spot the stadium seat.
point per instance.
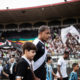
(1, 27)
(54, 23)
(24, 26)
(69, 21)
(38, 24)
(10, 27)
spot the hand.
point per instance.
(78, 78)
(7, 75)
(56, 77)
(36, 78)
(61, 78)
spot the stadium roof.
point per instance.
(13, 4)
(39, 13)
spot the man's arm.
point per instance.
(7, 75)
(18, 79)
(54, 75)
(59, 72)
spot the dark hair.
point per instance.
(43, 28)
(48, 58)
(74, 64)
(28, 46)
(66, 52)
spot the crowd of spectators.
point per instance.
(54, 45)
(7, 58)
(57, 47)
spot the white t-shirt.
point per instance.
(1, 68)
(63, 67)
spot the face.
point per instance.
(45, 35)
(66, 56)
(50, 61)
(30, 54)
(76, 68)
(12, 60)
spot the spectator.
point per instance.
(12, 69)
(6, 69)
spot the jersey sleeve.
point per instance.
(59, 62)
(72, 77)
(20, 69)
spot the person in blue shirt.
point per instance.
(73, 75)
(49, 71)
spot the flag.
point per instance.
(73, 31)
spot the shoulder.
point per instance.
(36, 41)
(60, 59)
(72, 74)
(22, 62)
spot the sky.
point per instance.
(12, 4)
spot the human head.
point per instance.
(44, 33)
(49, 60)
(12, 60)
(29, 50)
(75, 66)
(66, 54)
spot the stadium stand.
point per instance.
(39, 24)
(1, 27)
(10, 27)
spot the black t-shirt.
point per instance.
(23, 70)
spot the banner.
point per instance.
(73, 32)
